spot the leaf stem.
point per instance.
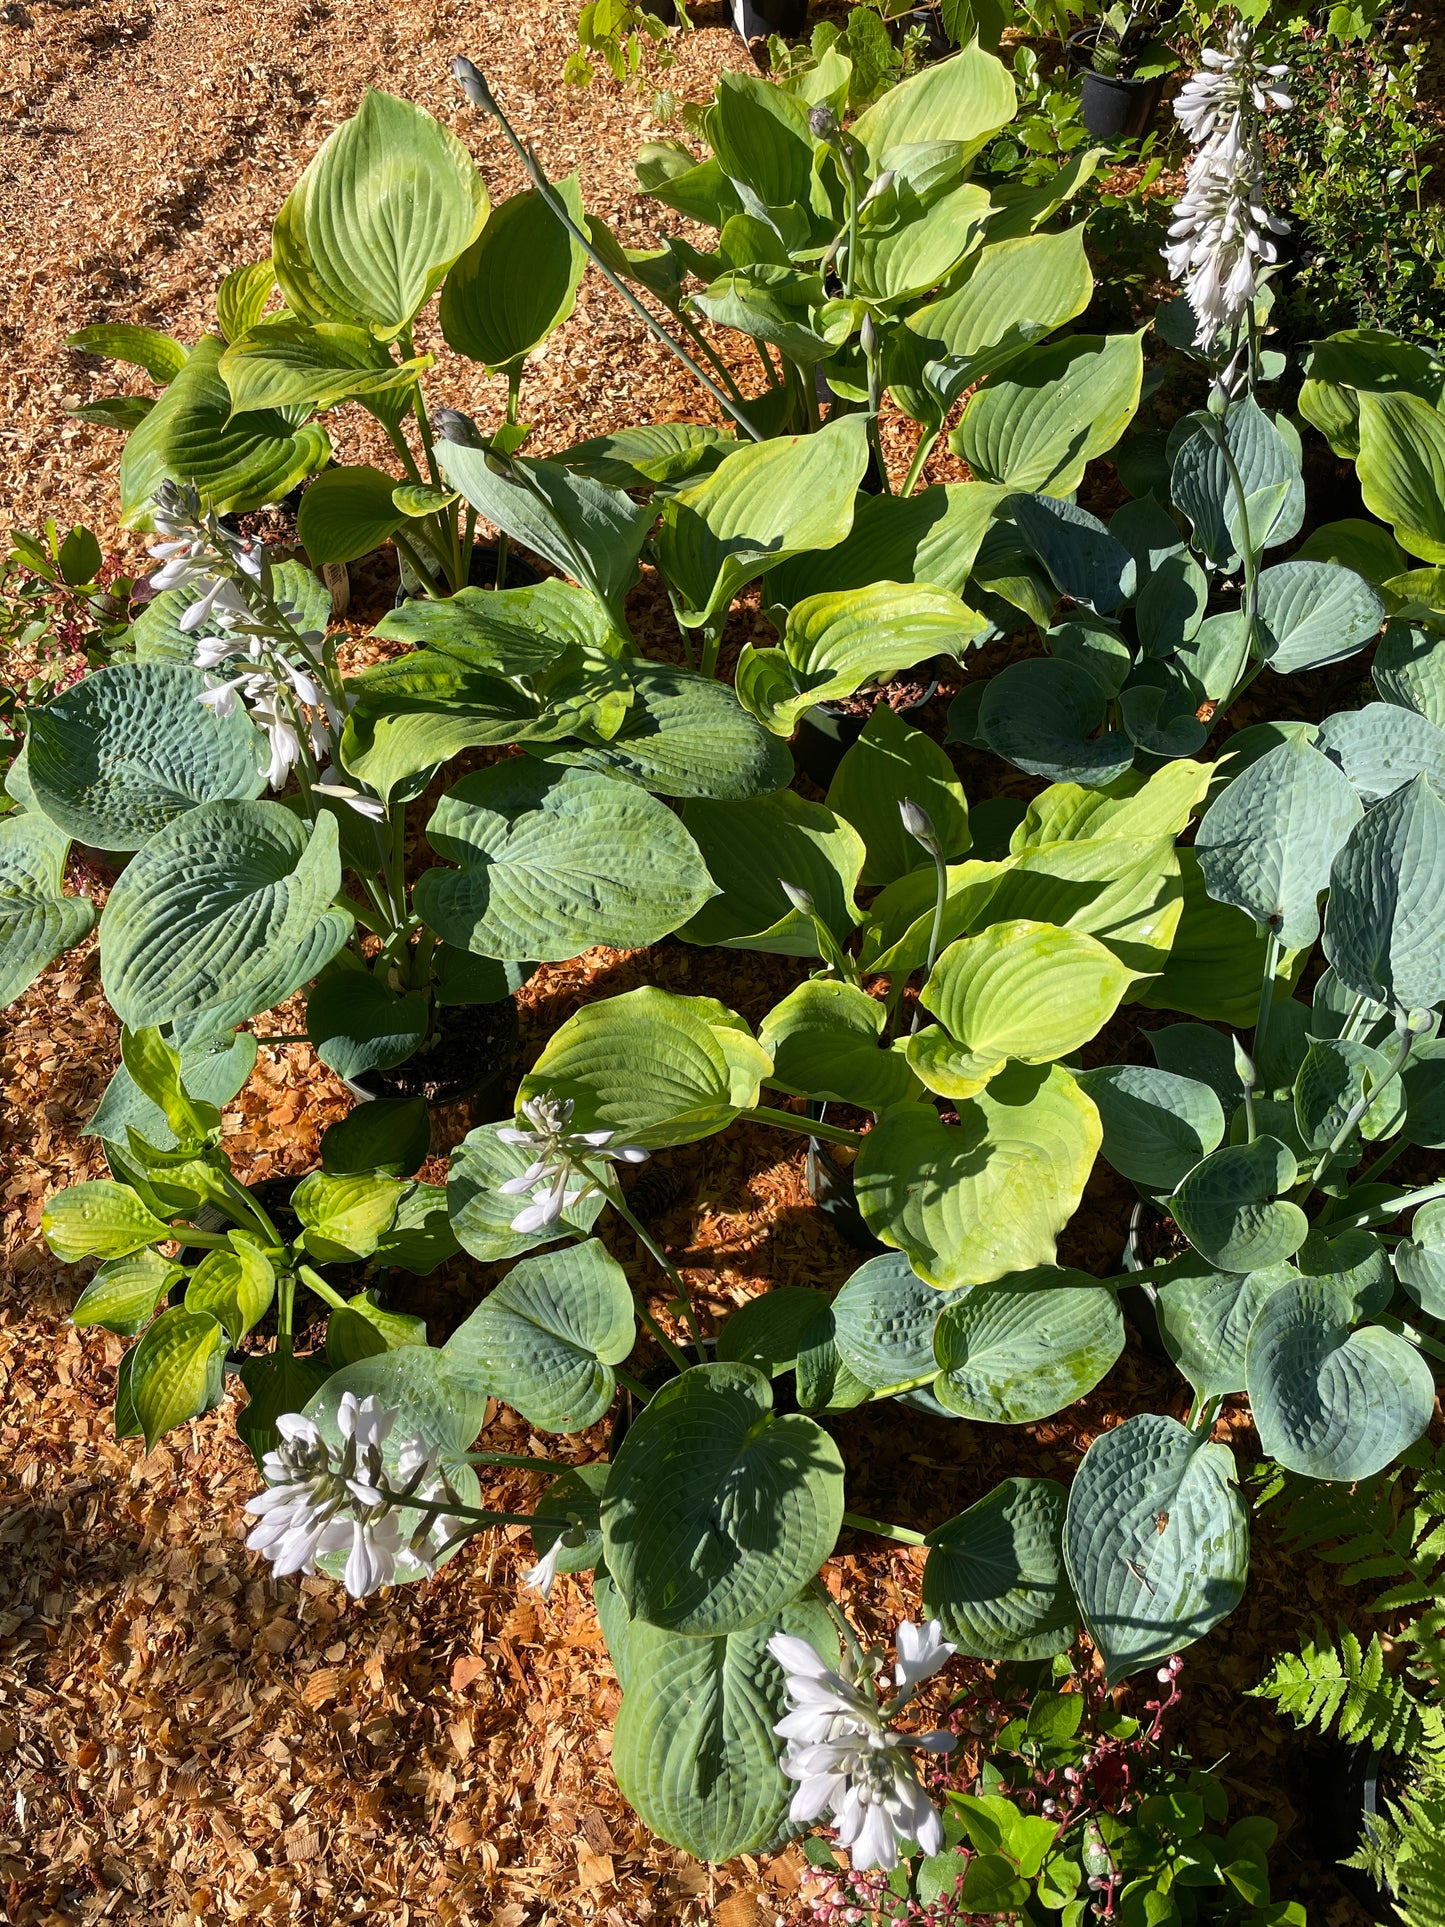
(1408, 1332)
(1391, 1208)
(803, 1126)
(925, 448)
(904, 1535)
(649, 1244)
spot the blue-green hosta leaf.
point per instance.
(1205, 1318)
(1085, 561)
(1201, 1053)
(237, 461)
(1021, 1349)
(1409, 669)
(693, 1749)
(1268, 465)
(575, 1494)
(284, 363)
(157, 631)
(965, 98)
(883, 1322)
(765, 502)
(1051, 412)
(380, 214)
(1232, 1209)
(1091, 644)
(1050, 718)
(826, 1041)
(1019, 989)
(1420, 1260)
(224, 912)
(1267, 845)
(177, 1371)
(1146, 1589)
(1354, 1259)
(516, 282)
(655, 1068)
(833, 644)
(125, 1293)
(1329, 1402)
(1334, 1076)
(1385, 921)
(212, 1070)
(547, 1338)
(1171, 604)
(1382, 746)
(751, 849)
(130, 748)
(37, 919)
(482, 1215)
(995, 1576)
(890, 763)
(1402, 469)
(1157, 1125)
(718, 1511)
(971, 1202)
(554, 860)
(688, 735)
(1314, 613)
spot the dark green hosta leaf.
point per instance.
(1093, 645)
(1409, 669)
(892, 762)
(995, 1577)
(275, 1383)
(971, 1202)
(222, 914)
(765, 502)
(825, 1040)
(1205, 1318)
(768, 1330)
(378, 217)
(1020, 1350)
(1423, 1079)
(1268, 464)
(390, 1135)
(1157, 1125)
(554, 860)
(693, 1750)
(656, 1068)
(37, 919)
(883, 1322)
(750, 849)
(481, 1215)
(717, 1511)
(348, 512)
(1199, 1052)
(1314, 613)
(357, 1024)
(1267, 845)
(1144, 1590)
(130, 748)
(1385, 921)
(177, 1371)
(1329, 1402)
(1215, 962)
(1050, 718)
(1382, 746)
(547, 1338)
(1402, 469)
(1084, 560)
(125, 1293)
(516, 282)
(238, 462)
(1231, 1206)
(576, 1493)
(1419, 1260)
(687, 735)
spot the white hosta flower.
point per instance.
(1232, 81)
(558, 1152)
(846, 1757)
(332, 783)
(416, 1468)
(543, 1576)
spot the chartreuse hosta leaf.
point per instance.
(908, 243)
(286, 363)
(430, 1405)
(99, 1220)
(826, 1041)
(995, 1575)
(481, 1214)
(125, 1292)
(177, 1370)
(554, 860)
(1022, 990)
(146, 348)
(516, 282)
(223, 913)
(1051, 412)
(964, 99)
(763, 503)
(1402, 469)
(1156, 1540)
(234, 1286)
(1157, 1125)
(343, 1217)
(693, 1748)
(655, 1068)
(1025, 1347)
(930, 536)
(37, 919)
(833, 643)
(751, 849)
(718, 1510)
(348, 512)
(1267, 845)
(381, 213)
(1013, 293)
(547, 1338)
(242, 297)
(1385, 920)
(760, 135)
(892, 762)
(212, 1071)
(1233, 1210)
(973, 1201)
(1330, 1402)
(130, 748)
(649, 454)
(1205, 1318)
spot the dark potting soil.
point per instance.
(471, 1047)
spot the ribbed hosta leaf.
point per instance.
(995, 1575)
(1021, 1349)
(481, 1214)
(37, 919)
(1232, 1209)
(516, 282)
(1157, 1125)
(751, 848)
(1385, 921)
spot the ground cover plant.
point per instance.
(956, 967)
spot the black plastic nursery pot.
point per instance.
(831, 1187)
(828, 730)
(469, 1052)
(1355, 1784)
(756, 19)
(1112, 106)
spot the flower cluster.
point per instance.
(317, 1501)
(1220, 236)
(559, 1157)
(846, 1756)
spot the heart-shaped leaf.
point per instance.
(1385, 921)
(481, 1213)
(1420, 1260)
(891, 763)
(1205, 1318)
(1084, 560)
(1381, 747)
(825, 1040)
(1231, 1206)
(1314, 613)
(357, 1024)
(751, 849)
(1409, 669)
(994, 1578)
(883, 1320)
(98, 1220)
(1049, 718)
(37, 919)
(1157, 1125)
(235, 1286)
(348, 512)
(516, 282)
(1265, 454)
(1051, 412)
(1021, 1349)
(1402, 469)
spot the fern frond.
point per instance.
(1348, 1689)
(1418, 1856)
